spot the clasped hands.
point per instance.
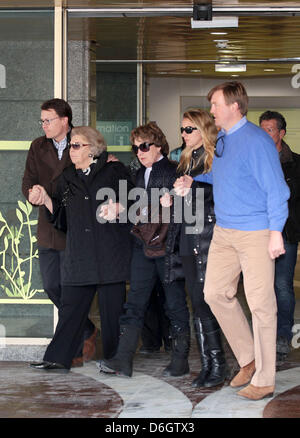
(37, 195)
(181, 187)
(111, 210)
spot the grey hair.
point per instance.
(94, 137)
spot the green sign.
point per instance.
(116, 133)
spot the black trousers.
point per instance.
(144, 274)
(50, 267)
(156, 329)
(73, 312)
(195, 289)
(51, 261)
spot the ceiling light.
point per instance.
(218, 33)
(269, 69)
(230, 67)
(215, 22)
(221, 44)
(195, 71)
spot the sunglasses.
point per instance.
(187, 129)
(77, 146)
(143, 147)
(219, 148)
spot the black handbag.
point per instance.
(60, 217)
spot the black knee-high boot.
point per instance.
(122, 362)
(180, 351)
(213, 372)
(203, 347)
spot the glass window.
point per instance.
(116, 106)
(26, 80)
(26, 73)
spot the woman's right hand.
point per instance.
(111, 211)
(166, 200)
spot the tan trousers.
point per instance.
(232, 251)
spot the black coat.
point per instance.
(290, 163)
(199, 242)
(96, 253)
(163, 174)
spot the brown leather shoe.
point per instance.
(256, 392)
(77, 362)
(89, 347)
(244, 375)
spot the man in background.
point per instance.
(275, 125)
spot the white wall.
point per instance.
(168, 97)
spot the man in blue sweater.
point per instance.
(251, 208)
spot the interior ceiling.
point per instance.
(269, 43)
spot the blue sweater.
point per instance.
(250, 192)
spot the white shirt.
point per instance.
(148, 171)
(147, 175)
(60, 146)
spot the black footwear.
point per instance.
(179, 365)
(167, 341)
(104, 368)
(218, 370)
(49, 366)
(202, 344)
(122, 362)
(283, 346)
(280, 359)
(149, 350)
(213, 364)
(168, 348)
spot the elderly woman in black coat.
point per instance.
(199, 134)
(97, 254)
(157, 172)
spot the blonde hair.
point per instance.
(206, 125)
(94, 137)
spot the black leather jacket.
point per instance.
(199, 242)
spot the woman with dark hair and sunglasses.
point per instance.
(97, 254)
(199, 133)
(157, 172)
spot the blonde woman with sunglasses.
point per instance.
(199, 135)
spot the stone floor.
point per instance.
(86, 393)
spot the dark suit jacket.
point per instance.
(43, 167)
